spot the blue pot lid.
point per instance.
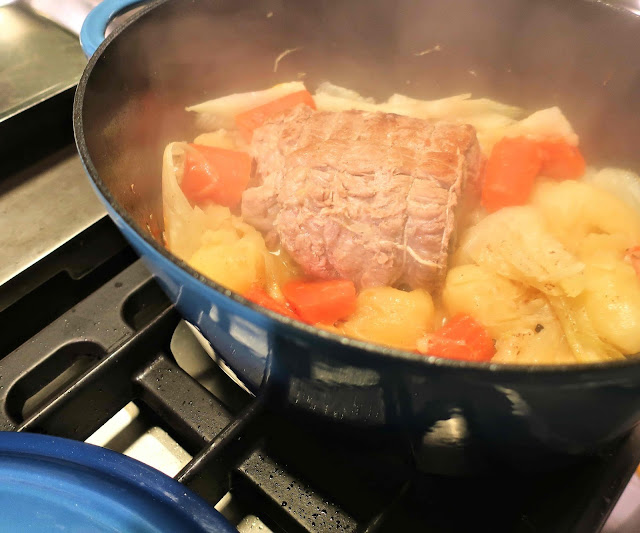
(50, 484)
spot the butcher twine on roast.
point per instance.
(358, 195)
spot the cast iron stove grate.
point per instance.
(110, 345)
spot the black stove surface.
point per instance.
(85, 342)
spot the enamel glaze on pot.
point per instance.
(582, 56)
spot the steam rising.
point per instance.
(580, 56)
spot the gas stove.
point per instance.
(92, 350)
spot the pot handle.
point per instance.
(95, 25)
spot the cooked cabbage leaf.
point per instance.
(544, 124)
(220, 112)
(583, 339)
(514, 242)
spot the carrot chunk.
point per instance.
(249, 120)
(510, 173)
(462, 338)
(215, 174)
(259, 296)
(560, 160)
(323, 302)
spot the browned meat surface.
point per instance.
(364, 196)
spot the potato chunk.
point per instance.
(390, 316)
(543, 345)
(519, 318)
(236, 265)
(574, 210)
(602, 250)
(612, 302)
(499, 304)
(612, 291)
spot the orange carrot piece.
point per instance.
(249, 120)
(259, 296)
(464, 338)
(560, 160)
(510, 173)
(323, 302)
(215, 174)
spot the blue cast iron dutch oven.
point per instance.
(583, 56)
